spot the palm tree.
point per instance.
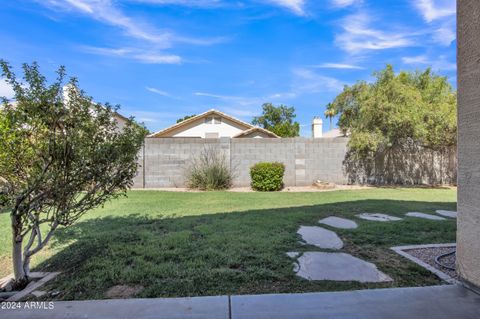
(330, 113)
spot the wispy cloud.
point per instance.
(5, 89)
(296, 6)
(157, 91)
(438, 64)
(344, 3)
(441, 15)
(106, 11)
(338, 66)
(152, 41)
(144, 56)
(435, 9)
(358, 35)
(307, 81)
(188, 3)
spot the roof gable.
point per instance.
(255, 129)
(185, 123)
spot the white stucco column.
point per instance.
(468, 232)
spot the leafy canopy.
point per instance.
(186, 117)
(61, 155)
(396, 108)
(278, 120)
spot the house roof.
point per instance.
(336, 132)
(167, 130)
(256, 129)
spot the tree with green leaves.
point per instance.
(186, 117)
(61, 155)
(395, 111)
(278, 120)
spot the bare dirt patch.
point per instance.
(123, 291)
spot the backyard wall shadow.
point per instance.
(231, 253)
(407, 164)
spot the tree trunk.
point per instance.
(21, 277)
(18, 269)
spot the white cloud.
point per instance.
(188, 3)
(106, 12)
(358, 36)
(296, 6)
(419, 59)
(157, 91)
(339, 66)
(344, 3)
(5, 89)
(144, 56)
(151, 41)
(435, 9)
(444, 35)
(438, 64)
(306, 82)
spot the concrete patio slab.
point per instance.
(378, 217)
(339, 222)
(424, 216)
(436, 302)
(447, 213)
(338, 267)
(171, 308)
(320, 237)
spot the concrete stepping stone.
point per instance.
(338, 222)
(424, 216)
(447, 213)
(378, 217)
(320, 237)
(293, 254)
(337, 267)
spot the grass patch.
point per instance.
(192, 244)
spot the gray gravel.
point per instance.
(428, 255)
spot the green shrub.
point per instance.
(209, 171)
(267, 177)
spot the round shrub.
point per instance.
(267, 177)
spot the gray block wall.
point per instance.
(163, 161)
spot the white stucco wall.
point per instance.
(199, 128)
(468, 224)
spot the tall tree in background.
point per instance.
(186, 117)
(278, 120)
(420, 106)
(395, 111)
(61, 155)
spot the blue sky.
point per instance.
(163, 59)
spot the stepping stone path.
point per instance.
(314, 265)
(338, 267)
(447, 213)
(424, 216)
(293, 254)
(378, 217)
(320, 237)
(338, 222)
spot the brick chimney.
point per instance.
(317, 127)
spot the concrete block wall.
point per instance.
(163, 161)
(324, 159)
(246, 152)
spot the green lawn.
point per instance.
(190, 244)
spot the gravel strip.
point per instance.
(427, 255)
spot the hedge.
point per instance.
(267, 177)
